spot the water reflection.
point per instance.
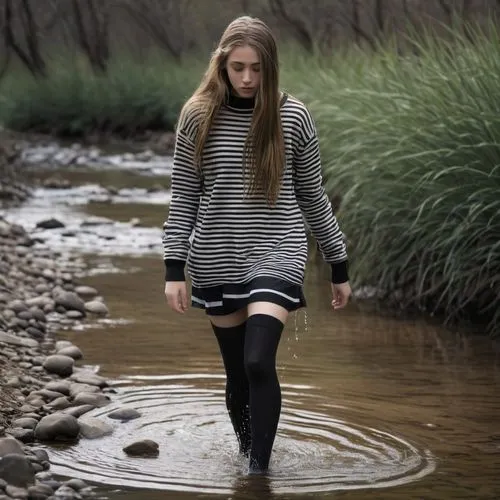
(432, 389)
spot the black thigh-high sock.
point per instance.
(262, 337)
(231, 344)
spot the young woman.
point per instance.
(246, 173)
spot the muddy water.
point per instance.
(373, 408)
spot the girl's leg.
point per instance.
(263, 332)
(230, 333)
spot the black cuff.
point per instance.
(174, 270)
(339, 272)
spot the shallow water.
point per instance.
(373, 407)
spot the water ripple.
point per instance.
(314, 452)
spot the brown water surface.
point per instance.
(373, 408)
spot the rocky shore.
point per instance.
(45, 394)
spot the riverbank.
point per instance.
(44, 390)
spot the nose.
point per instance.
(247, 76)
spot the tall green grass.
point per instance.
(412, 145)
(74, 101)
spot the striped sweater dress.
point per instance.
(238, 249)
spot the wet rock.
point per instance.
(86, 291)
(78, 411)
(76, 484)
(50, 224)
(59, 404)
(56, 386)
(59, 365)
(71, 351)
(25, 423)
(124, 414)
(77, 388)
(143, 448)
(10, 446)
(17, 471)
(17, 341)
(39, 492)
(66, 493)
(70, 301)
(89, 378)
(94, 428)
(97, 400)
(97, 307)
(57, 427)
(22, 435)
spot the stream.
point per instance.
(373, 407)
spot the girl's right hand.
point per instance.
(176, 293)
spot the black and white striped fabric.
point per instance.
(237, 239)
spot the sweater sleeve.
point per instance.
(314, 203)
(186, 189)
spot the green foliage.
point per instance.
(413, 146)
(74, 101)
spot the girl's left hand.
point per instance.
(340, 293)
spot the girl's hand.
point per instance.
(340, 293)
(176, 293)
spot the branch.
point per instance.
(305, 38)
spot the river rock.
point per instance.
(60, 403)
(71, 351)
(25, 423)
(17, 471)
(86, 291)
(39, 492)
(76, 484)
(70, 301)
(57, 427)
(94, 428)
(97, 307)
(89, 378)
(143, 448)
(124, 414)
(18, 341)
(50, 224)
(78, 411)
(60, 365)
(10, 446)
(97, 400)
(58, 386)
(22, 435)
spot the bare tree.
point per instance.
(24, 42)
(92, 32)
(162, 20)
(294, 23)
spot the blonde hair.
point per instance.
(264, 152)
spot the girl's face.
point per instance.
(243, 70)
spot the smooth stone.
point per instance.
(10, 446)
(78, 411)
(17, 471)
(57, 427)
(89, 378)
(25, 423)
(143, 448)
(76, 484)
(56, 386)
(60, 403)
(59, 365)
(97, 307)
(71, 351)
(96, 399)
(70, 301)
(19, 341)
(94, 428)
(124, 414)
(39, 492)
(23, 435)
(86, 291)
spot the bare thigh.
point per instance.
(229, 320)
(268, 308)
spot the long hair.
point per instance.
(264, 151)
